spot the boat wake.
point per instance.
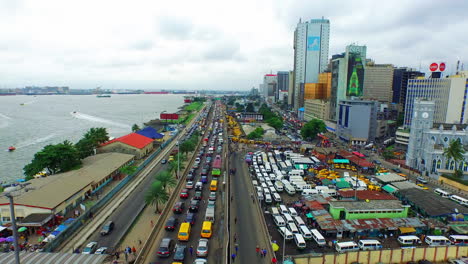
(4, 121)
(4, 116)
(34, 141)
(99, 120)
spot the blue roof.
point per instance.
(150, 132)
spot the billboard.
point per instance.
(313, 43)
(355, 79)
(168, 116)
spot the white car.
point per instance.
(202, 249)
(101, 251)
(200, 261)
(90, 248)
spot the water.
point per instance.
(44, 120)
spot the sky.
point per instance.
(210, 45)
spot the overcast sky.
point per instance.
(222, 45)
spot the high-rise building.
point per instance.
(378, 82)
(269, 86)
(449, 96)
(316, 108)
(314, 91)
(311, 44)
(291, 88)
(357, 121)
(283, 83)
(325, 79)
(400, 85)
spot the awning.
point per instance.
(342, 185)
(405, 230)
(310, 215)
(345, 161)
(300, 166)
(389, 189)
(2, 228)
(35, 220)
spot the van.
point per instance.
(277, 197)
(260, 196)
(284, 232)
(268, 199)
(184, 232)
(437, 241)
(298, 220)
(300, 242)
(214, 185)
(288, 218)
(272, 189)
(318, 237)
(305, 232)
(279, 186)
(409, 240)
(369, 244)
(283, 209)
(274, 211)
(346, 246)
(290, 189)
(292, 211)
(264, 185)
(270, 185)
(309, 191)
(293, 228)
(266, 191)
(279, 221)
(255, 183)
(206, 229)
(442, 193)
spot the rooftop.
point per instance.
(367, 195)
(432, 203)
(370, 205)
(389, 177)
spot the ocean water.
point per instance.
(31, 122)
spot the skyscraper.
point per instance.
(311, 43)
(378, 82)
(283, 83)
(400, 85)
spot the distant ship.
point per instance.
(6, 94)
(103, 95)
(156, 92)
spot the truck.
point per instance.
(210, 214)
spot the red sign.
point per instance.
(442, 66)
(434, 66)
(168, 116)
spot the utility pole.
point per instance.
(15, 229)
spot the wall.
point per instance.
(21, 211)
(126, 149)
(453, 183)
(454, 108)
(335, 213)
(434, 254)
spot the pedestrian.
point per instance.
(191, 250)
(152, 223)
(134, 250)
(264, 252)
(235, 237)
(233, 257)
(257, 249)
(235, 220)
(117, 255)
(273, 260)
(237, 247)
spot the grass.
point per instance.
(195, 106)
(188, 118)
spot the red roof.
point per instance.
(367, 195)
(356, 160)
(133, 139)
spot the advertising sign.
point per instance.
(169, 116)
(442, 66)
(434, 66)
(313, 43)
(355, 75)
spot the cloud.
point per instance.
(175, 28)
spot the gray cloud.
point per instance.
(175, 28)
(223, 50)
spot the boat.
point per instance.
(22, 104)
(11, 148)
(103, 95)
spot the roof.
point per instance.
(370, 205)
(431, 203)
(367, 195)
(405, 185)
(389, 188)
(134, 140)
(150, 132)
(56, 258)
(390, 177)
(51, 191)
(356, 160)
(342, 185)
(35, 220)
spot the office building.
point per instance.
(378, 82)
(400, 85)
(291, 88)
(357, 121)
(269, 86)
(449, 96)
(283, 82)
(311, 44)
(314, 91)
(316, 108)
(325, 79)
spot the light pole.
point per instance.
(284, 243)
(178, 159)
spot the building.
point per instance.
(325, 79)
(428, 139)
(134, 144)
(249, 117)
(291, 88)
(372, 209)
(338, 84)
(283, 83)
(314, 91)
(270, 86)
(150, 132)
(449, 96)
(283, 97)
(402, 136)
(400, 85)
(357, 121)
(311, 44)
(378, 82)
(61, 193)
(316, 108)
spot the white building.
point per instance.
(269, 85)
(311, 44)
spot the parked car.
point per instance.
(421, 180)
(397, 170)
(212, 196)
(202, 248)
(194, 205)
(199, 186)
(163, 161)
(191, 218)
(211, 204)
(171, 224)
(200, 261)
(190, 175)
(179, 253)
(178, 207)
(166, 247)
(101, 251)
(90, 248)
(377, 162)
(184, 194)
(107, 228)
(198, 195)
(204, 172)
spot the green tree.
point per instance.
(275, 122)
(250, 108)
(187, 146)
(61, 157)
(128, 170)
(166, 178)
(257, 133)
(156, 195)
(174, 166)
(387, 154)
(312, 128)
(97, 134)
(455, 152)
(135, 128)
(85, 147)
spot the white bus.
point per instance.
(277, 155)
(282, 165)
(411, 241)
(442, 193)
(437, 241)
(458, 240)
(267, 167)
(315, 160)
(346, 246)
(369, 244)
(288, 165)
(317, 236)
(459, 199)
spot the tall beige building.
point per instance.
(316, 108)
(378, 82)
(291, 88)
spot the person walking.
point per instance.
(235, 220)
(257, 250)
(233, 257)
(274, 261)
(191, 250)
(134, 250)
(264, 252)
(237, 247)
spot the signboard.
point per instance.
(355, 80)
(313, 43)
(169, 116)
(442, 66)
(434, 66)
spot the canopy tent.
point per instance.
(310, 215)
(60, 228)
(326, 182)
(343, 185)
(406, 230)
(68, 221)
(341, 161)
(390, 189)
(300, 166)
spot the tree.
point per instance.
(250, 108)
(174, 166)
(61, 157)
(166, 178)
(187, 146)
(312, 128)
(135, 128)
(156, 195)
(97, 134)
(388, 155)
(85, 147)
(257, 133)
(128, 170)
(455, 152)
(275, 122)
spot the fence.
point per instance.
(81, 220)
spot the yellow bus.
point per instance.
(184, 232)
(214, 185)
(206, 229)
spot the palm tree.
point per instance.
(156, 195)
(173, 166)
(166, 178)
(135, 128)
(455, 152)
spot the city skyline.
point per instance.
(159, 45)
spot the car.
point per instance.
(202, 248)
(101, 251)
(165, 247)
(421, 180)
(197, 160)
(191, 218)
(397, 170)
(171, 158)
(199, 186)
(212, 196)
(204, 172)
(377, 162)
(163, 161)
(208, 160)
(107, 228)
(190, 175)
(211, 204)
(90, 248)
(194, 205)
(200, 261)
(196, 166)
(189, 185)
(198, 195)
(184, 194)
(204, 179)
(179, 252)
(178, 207)
(171, 224)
